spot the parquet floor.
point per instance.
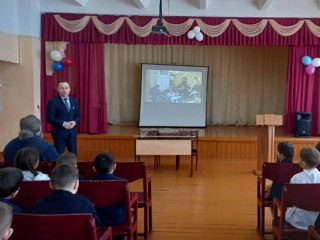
(219, 202)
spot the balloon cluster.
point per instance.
(311, 64)
(59, 62)
(196, 32)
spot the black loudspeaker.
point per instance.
(302, 124)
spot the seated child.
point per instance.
(10, 181)
(27, 160)
(104, 165)
(115, 213)
(68, 157)
(309, 160)
(284, 155)
(5, 221)
(65, 183)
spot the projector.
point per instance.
(160, 30)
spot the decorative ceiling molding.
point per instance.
(203, 4)
(82, 2)
(142, 4)
(263, 4)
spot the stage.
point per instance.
(215, 143)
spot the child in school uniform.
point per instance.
(115, 213)
(27, 160)
(309, 160)
(65, 183)
(5, 221)
(10, 181)
(71, 158)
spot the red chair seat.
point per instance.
(57, 226)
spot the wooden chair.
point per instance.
(195, 146)
(6, 164)
(133, 171)
(313, 234)
(44, 166)
(304, 196)
(277, 172)
(57, 226)
(103, 193)
(30, 192)
(86, 169)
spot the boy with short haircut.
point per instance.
(10, 181)
(65, 183)
(309, 160)
(5, 221)
(71, 158)
(115, 213)
(104, 165)
(67, 157)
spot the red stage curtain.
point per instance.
(86, 78)
(51, 31)
(302, 89)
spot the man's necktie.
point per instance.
(67, 104)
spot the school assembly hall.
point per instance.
(201, 91)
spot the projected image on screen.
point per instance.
(173, 86)
(173, 96)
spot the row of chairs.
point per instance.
(58, 226)
(100, 193)
(132, 171)
(304, 196)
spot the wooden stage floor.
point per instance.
(229, 131)
(215, 142)
(218, 202)
(209, 131)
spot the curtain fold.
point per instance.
(86, 78)
(301, 36)
(237, 89)
(302, 89)
(218, 31)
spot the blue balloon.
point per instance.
(306, 60)
(57, 66)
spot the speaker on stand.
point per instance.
(302, 124)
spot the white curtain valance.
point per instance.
(248, 30)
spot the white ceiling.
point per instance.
(214, 8)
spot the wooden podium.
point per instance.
(265, 138)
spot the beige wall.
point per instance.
(20, 88)
(9, 47)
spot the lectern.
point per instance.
(265, 138)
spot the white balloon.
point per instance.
(196, 29)
(199, 36)
(191, 34)
(316, 62)
(56, 55)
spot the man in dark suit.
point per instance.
(63, 113)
